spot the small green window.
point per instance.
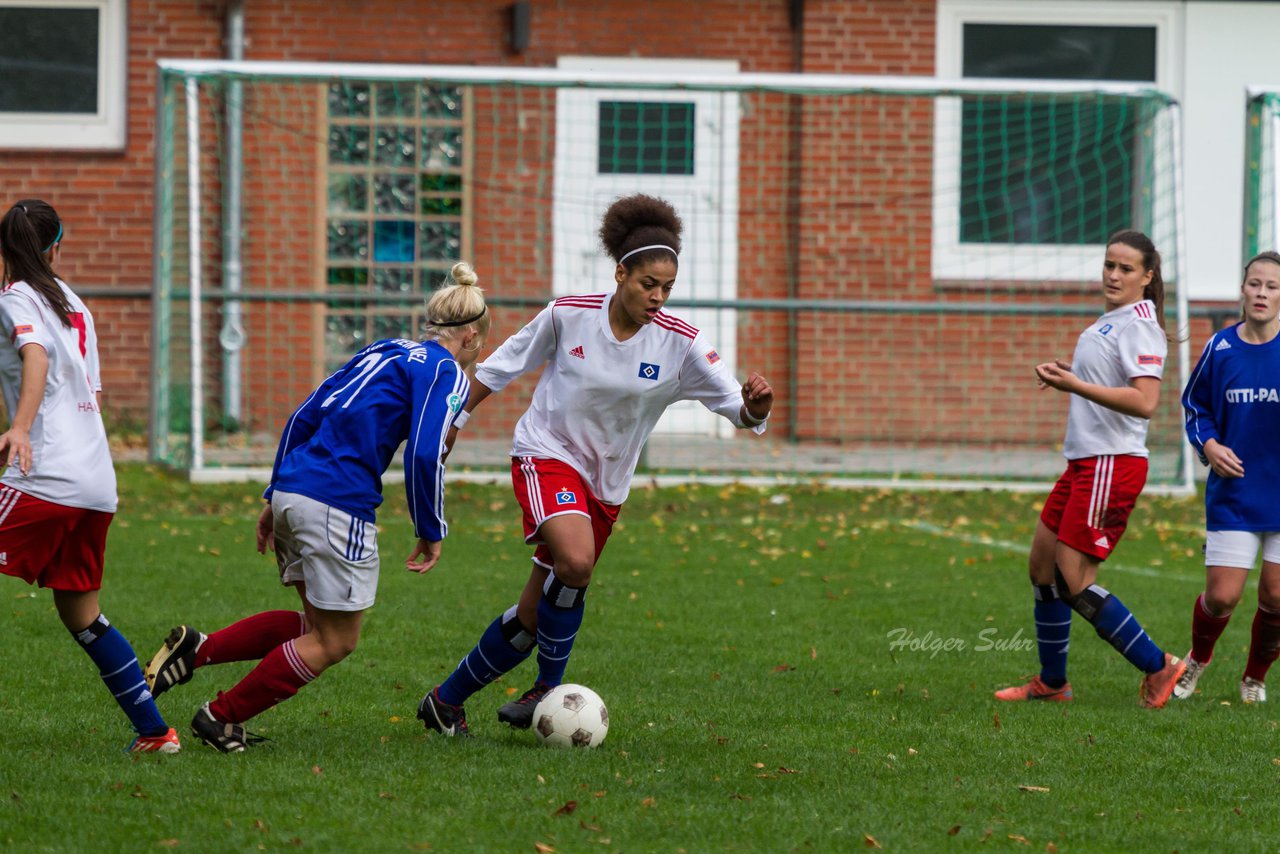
(646, 138)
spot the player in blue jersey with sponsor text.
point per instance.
(1114, 383)
(1232, 405)
(325, 488)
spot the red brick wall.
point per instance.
(853, 371)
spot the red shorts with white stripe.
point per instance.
(1090, 504)
(49, 544)
(547, 488)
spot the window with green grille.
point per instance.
(1052, 169)
(396, 212)
(646, 138)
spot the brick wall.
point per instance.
(857, 377)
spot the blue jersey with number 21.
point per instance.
(342, 438)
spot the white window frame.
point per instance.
(957, 261)
(101, 130)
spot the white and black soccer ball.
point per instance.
(571, 716)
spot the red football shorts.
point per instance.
(1090, 504)
(546, 488)
(49, 544)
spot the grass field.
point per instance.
(745, 643)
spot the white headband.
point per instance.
(644, 248)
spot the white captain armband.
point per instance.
(460, 420)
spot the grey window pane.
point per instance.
(48, 60)
(348, 240)
(396, 99)
(349, 100)
(393, 194)
(394, 146)
(348, 193)
(349, 145)
(1051, 170)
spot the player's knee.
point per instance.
(1219, 605)
(574, 570)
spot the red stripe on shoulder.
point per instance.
(675, 324)
(582, 301)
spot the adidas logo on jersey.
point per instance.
(577, 351)
(1224, 344)
(1102, 542)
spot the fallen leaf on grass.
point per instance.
(1033, 788)
(997, 719)
(566, 808)
(260, 825)
(387, 796)
(317, 770)
(648, 802)
(168, 843)
(870, 841)
(737, 796)
(1016, 838)
(543, 848)
(1050, 848)
(783, 668)
(986, 834)
(591, 827)
(953, 830)
(137, 791)
(782, 769)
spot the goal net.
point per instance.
(893, 254)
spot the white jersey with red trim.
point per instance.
(599, 398)
(1124, 343)
(71, 463)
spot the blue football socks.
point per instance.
(559, 618)
(1053, 635)
(501, 648)
(120, 672)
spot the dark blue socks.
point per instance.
(118, 667)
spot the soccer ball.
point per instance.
(571, 716)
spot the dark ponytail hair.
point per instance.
(29, 230)
(1269, 255)
(1154, 290)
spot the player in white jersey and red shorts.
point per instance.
(613, 364)
(58, 495)
(1114, 382)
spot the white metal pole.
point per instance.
(1183, 323)
(1274, 211)
(194, 263)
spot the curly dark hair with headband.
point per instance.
(27, 232)
(637, 221)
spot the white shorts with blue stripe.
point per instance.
(331, 551)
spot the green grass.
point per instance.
(741, 639)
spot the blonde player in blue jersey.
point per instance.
(611, 365)
(1232, 404)
(1114, 382)
(58, 495)
(325, 488)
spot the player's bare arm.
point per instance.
(1138, 399)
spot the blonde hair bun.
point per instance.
(463, 274)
